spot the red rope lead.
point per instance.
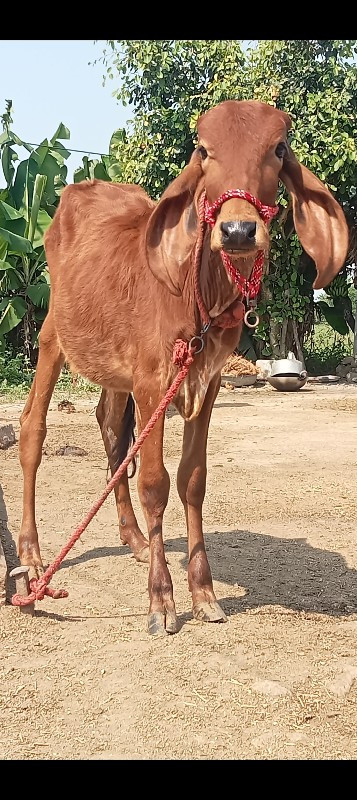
(183, 356)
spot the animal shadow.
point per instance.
(266, 570)
(8, 547)
(270, 570)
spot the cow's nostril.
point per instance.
(226, 228)
(251, 230)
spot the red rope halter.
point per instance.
(249, 287)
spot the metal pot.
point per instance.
(287, 374)
(287, 383)
(287, 367)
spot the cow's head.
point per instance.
(243, 145)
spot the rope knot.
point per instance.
(181, 354)
(38, 588)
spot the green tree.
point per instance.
(315, 82)
(169, 83)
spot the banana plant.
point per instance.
(27, 206)
(108, 168)
(338, 311)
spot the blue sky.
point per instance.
(50, 82)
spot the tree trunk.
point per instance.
(299, 352)
(283, 335)
(29, 330)
(275, 338)
(27, 337)
(274, 327)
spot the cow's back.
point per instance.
(95, 253)
(94, 214)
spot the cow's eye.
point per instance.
(203, 152)
(280, 150)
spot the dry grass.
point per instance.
(237, 366)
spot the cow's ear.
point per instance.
(319, 220)
(169, 239)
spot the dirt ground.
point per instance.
(83, 680)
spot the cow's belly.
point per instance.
(99, 364)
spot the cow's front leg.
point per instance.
(32, 436)
(191, 485)
(154, 487)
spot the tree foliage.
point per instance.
(168, 83)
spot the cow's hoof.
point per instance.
(160, 623)
(143, 555)
(209, 612)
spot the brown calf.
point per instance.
(122, 292)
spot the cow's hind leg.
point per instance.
(32, 436)
(191, 484)
(116, 417)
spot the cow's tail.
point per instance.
(127, 438)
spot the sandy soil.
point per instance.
(83, 680)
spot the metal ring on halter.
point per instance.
(205, 327)
(192, 346)
(249, 313)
